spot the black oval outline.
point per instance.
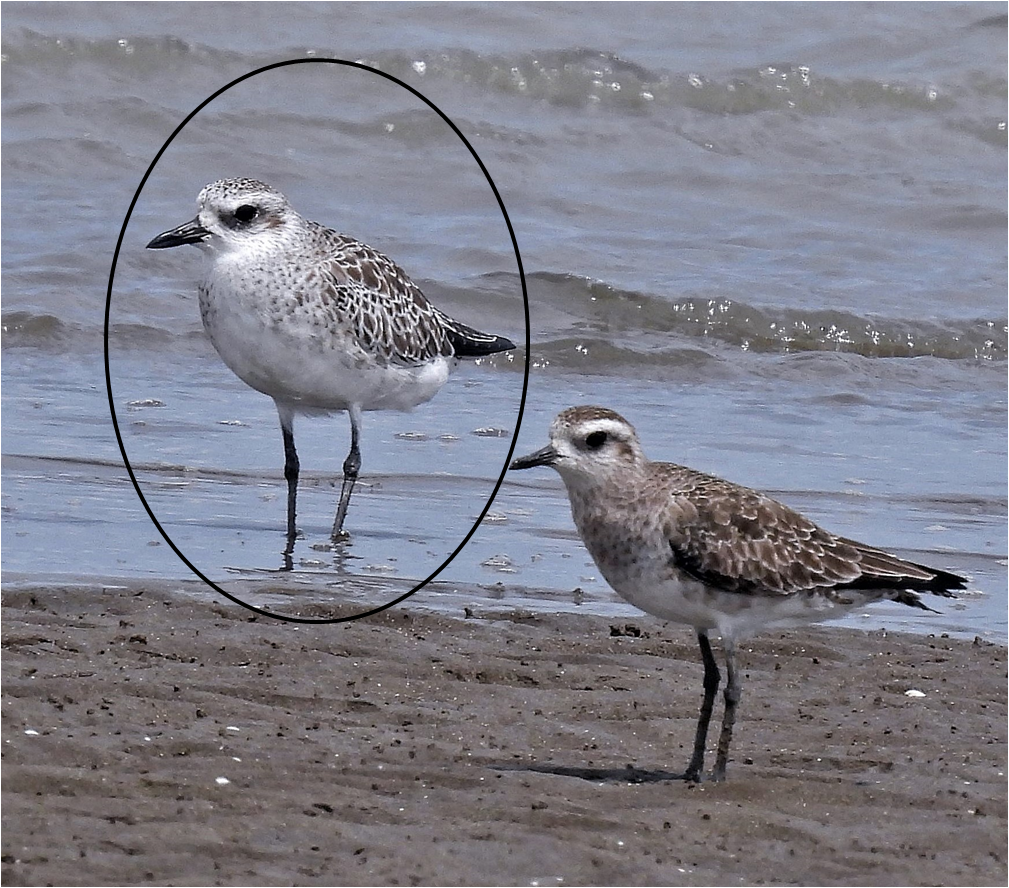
(525, 376)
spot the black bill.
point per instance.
(188, 233)
(545, 456)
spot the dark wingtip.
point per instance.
(470, 343)
(945, 583)
(883, 571)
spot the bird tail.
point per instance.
(903, 579)
(470, 343)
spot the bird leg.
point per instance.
(351, 467)
(711, 681)
(732, 694)
(291, 469)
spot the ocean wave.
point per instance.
(572, 77)
(596, 77)
(48, 333)
(610, 317)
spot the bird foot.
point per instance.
(694, 775)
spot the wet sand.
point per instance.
(153, 738)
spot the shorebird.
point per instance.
(699, 550)
(318, 321)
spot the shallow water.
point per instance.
(774, 240)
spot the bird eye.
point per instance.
(595, 440)
(246, 213)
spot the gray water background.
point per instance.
(773, 236)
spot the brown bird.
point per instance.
(695, 549)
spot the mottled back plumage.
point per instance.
(740, 540)
(385, 311)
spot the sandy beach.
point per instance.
(153, 738)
